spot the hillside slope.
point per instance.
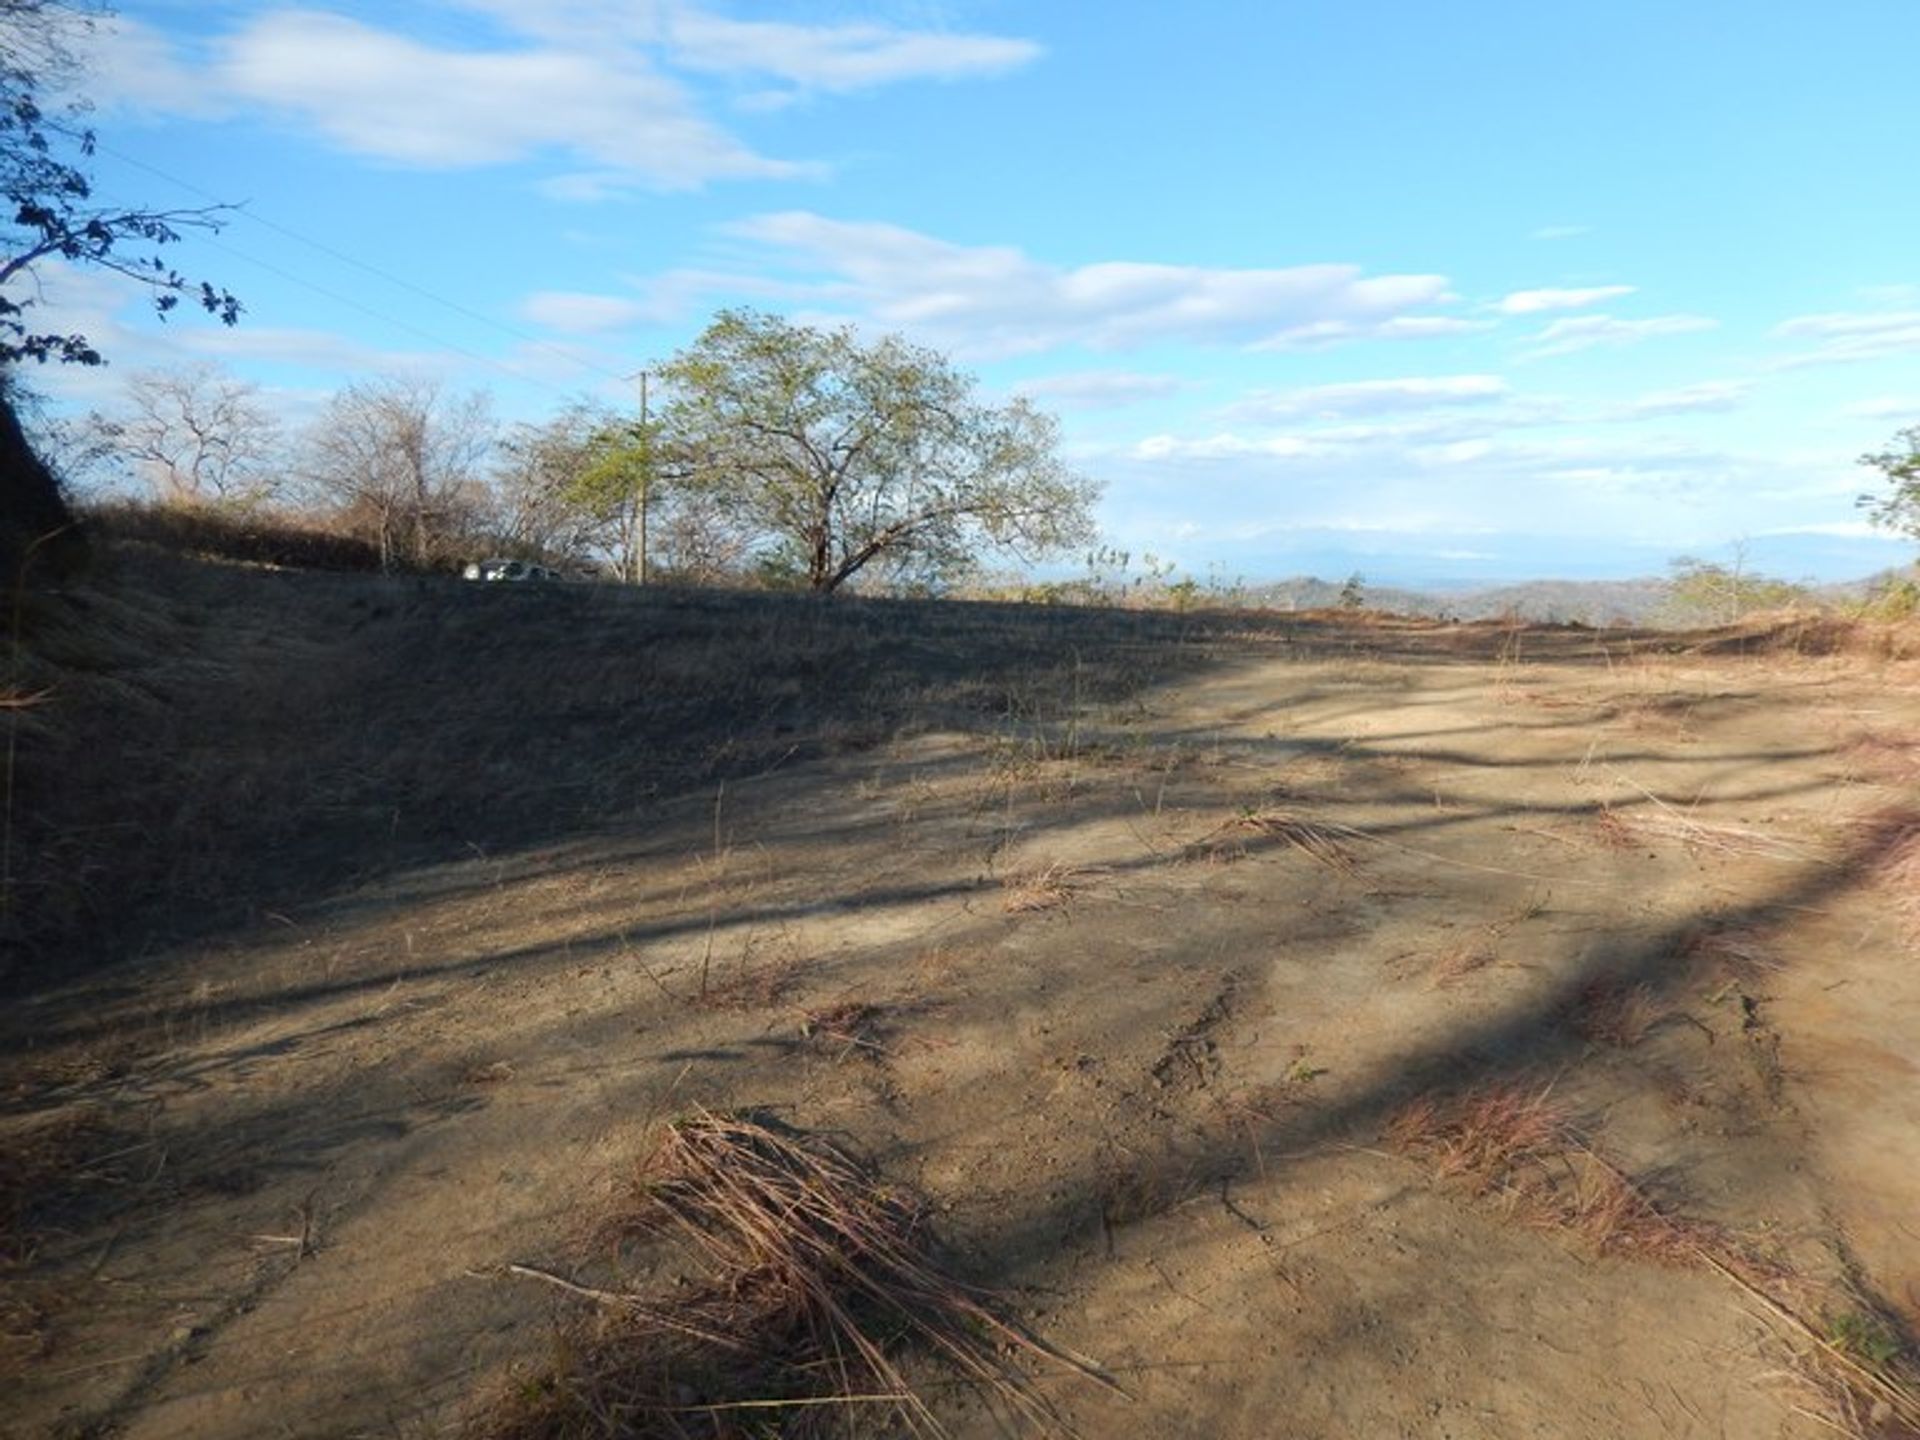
(1391, 1027)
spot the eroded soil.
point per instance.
(1135, 989)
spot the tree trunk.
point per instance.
(39, 537)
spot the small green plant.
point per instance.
(1303, 1071)
(1866, 1337)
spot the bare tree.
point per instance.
(402, 461)
(543, 501)
(200, 436)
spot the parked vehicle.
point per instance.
(512, 570)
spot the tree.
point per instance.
(1703, 592)
(53, 212)
(402, 461)
(839, 455)
(50, 214)
(199, 436)
(582, 483)
(1900, 465)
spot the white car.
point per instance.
(518, 570)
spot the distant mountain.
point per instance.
(1586, 602)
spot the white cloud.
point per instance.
(1225, 446)
(1534, 302)
(1370, 397)
(589, 83)
(1887, 407)
(1400, 327)
(1847, 336)
(837, 58)
(996, 300)
(134, 66)
(1565, 337)
(1844, 529)
(576, 313)
(1707, 395)
(1098, 389)
(384, 95)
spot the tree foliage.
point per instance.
(839, 456)
(1898, 507)
(51, 212)
(1702, 592)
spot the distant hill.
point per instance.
(1586, 602)
(1644, 601)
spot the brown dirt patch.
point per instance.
(1117, 942)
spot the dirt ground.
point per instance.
(1143, 990)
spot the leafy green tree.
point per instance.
(1701, 592)
(616, 482)
(841, 455)
(1897, 509)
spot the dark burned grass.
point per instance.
(812, 1284)
(209, 742)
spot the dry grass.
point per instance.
(758, 976)
(1894, 759)
(1464, 957)
(1516, 1145)
(1047, 888)
(1616, 1015)
(1896, 867)
(1513, 1144)
(812, 1283)
(851, 1029)
(190, 771)
(43, 1162)
(1740, 955)
(1324, 842)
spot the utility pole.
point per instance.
(646, 480)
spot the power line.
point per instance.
(397, 280)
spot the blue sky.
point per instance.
(1476, 290)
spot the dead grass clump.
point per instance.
(1047, 888)
(1461, 959)
(1614, 832)
(1891, 758)
(811, 1284)
(1739, 955)
(1897, 868)
(1321, 841)
(1489, 1134)
(1656, 819)
(758, 978)
(1852, 1365)
(1611, 1014)
(41, 1165)
(1515, 1144)
(845, 1031)
(1133, 1188)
